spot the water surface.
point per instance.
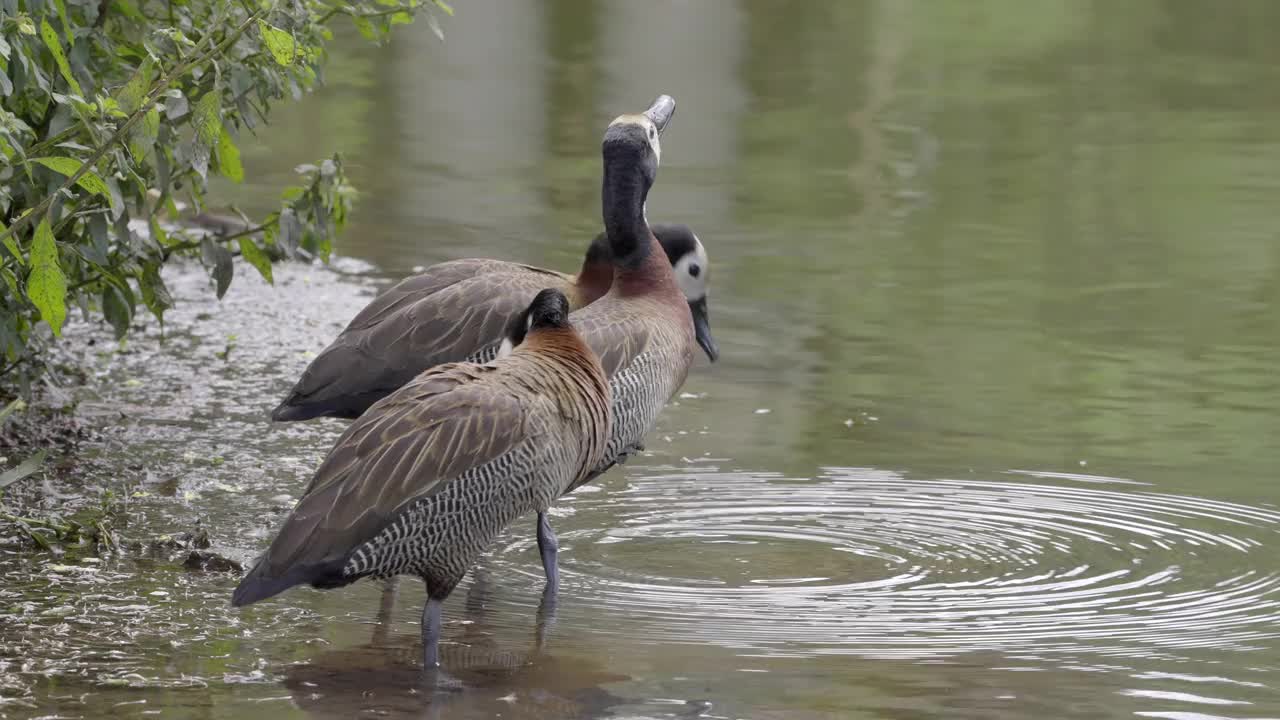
(993, 434)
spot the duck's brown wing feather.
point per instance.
(403, 449)
(616, 335)
(446, 314)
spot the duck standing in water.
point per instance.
(456, 311)
(641, 329)
(425, 480)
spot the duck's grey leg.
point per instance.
(382, 628)
(548, 545)
(431, 634)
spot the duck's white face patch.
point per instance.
(691, 272)
(651, 134)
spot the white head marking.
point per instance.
(651, 134)
(691, 272)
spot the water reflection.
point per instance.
(684, 585)
(481, 675)
(875, 564)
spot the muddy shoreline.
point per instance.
(74, 417)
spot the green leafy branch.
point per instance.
(83, 174)
(111, 111)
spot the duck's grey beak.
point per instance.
(660, 111)
(702, 328)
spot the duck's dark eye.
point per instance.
(652, 133)
(694, 270)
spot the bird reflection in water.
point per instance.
(482, 676)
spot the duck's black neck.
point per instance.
(622, 199)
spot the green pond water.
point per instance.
(993, 435)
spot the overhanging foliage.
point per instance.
(112, 112)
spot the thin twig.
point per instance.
(169, 250)
(193, 244)
(76, 216)
(39, 148)
(342, 10)
(47, 524)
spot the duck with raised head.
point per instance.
(423, 481)
(455, 311)
(641, 328)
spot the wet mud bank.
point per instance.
(161, 466)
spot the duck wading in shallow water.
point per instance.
(641, 329)
(456, 311)
(425, 480)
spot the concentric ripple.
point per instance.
(872, 563)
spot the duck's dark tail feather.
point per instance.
(258, 586)
(285, 412)
(345, 407)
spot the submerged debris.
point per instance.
(167, 547)
(89, 527)
(205, 561)
(42, 424)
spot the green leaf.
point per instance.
(69, 166)
(14, 405)
(114, 197)
(98, 249)
(151, 123)
(130, 11)
(229, 158)
(176, 105)
(11, 280)
(218, 258)
(117, 306)
(66, 24)
(51, 40)
(27, 467)
(279, 43)
(154, 293)
(143, 138)
(134, 92)
(46, 285)
(12, 244)
(256, 257)
(448, 9)
(365, 27)
(158, 233)
(208, 125)
(208, 117)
